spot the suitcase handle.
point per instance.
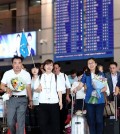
(115, 100)
(4, 113)
(72, 105)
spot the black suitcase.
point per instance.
(111, 126)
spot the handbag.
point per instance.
(109, 109)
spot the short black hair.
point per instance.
(100, 65)
(73, 71)
(46, 62)
(29, 34)
(18, 35)
(57, 63)
(36, 65)
(113, 63)
(17, 57)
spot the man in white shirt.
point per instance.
(17, 83)
(73, 77)
(65, 94)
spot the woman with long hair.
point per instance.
(94, 107)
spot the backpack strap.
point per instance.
(65, 76)
(56, 80)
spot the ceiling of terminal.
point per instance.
(2, 2)
(6, 1)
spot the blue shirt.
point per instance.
(72, 80)
(86, 79)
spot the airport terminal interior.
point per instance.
(78, 38)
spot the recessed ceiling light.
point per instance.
(38, 1)
(39, 29)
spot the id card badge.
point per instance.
(48, 97)
(48, 93)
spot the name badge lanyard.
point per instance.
(48, 88)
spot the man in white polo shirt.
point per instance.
(65, 94)
(17, 83)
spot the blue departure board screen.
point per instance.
(83, 29)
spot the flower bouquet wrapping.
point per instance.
(17, 84)
(98, 83)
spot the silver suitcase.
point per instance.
(78, 123)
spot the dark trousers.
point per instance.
(95, 117)
(49, 119)
(63, 114)
(32, 116)
(79, 104)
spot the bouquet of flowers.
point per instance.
(17, 85)
(98, 83)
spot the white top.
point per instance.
(65, 82)
(49, 88)
(35, 83)
(23, 78)
(80, 93)
(114, 80)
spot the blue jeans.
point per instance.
(95, 117)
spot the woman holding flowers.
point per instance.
(94, 96)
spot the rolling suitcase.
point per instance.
(78, 123)
(111, 125)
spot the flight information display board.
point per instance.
(83, 29)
